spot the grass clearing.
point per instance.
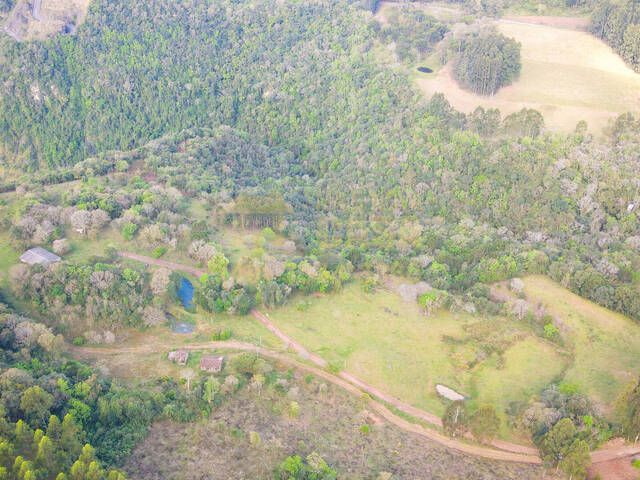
(394, 346)
(606, 343)
(501, 382)
(243, 328)
(9, 256)
(567, 75)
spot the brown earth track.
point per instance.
(574, 23)
(376, 392)
(506, 451)
(377, 407)
(161, 263)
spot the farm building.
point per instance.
(211, 363)
(39, 255)
(179, 356)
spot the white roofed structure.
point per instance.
(39, 255)
(448, 393)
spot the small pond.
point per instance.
(186, 293)
(178, 326)
(425, 69)
(182, 327)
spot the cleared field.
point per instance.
(394, 346)
(567, 75)
(606, 344)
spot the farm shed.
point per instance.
(39, 255)
(179, 356)
(211, 363)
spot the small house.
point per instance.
(211, 363)
(40, 256)
(179, 356)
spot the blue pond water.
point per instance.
(182, 327)
(186, 293)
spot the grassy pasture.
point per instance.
(393, 345)
(568, 75)
(606, 344)
(8, 254)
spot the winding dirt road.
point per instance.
(376, 392)
(505, 451)
(374, 405)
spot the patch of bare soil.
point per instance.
(329, 423)
(49, 17)
(616, 469)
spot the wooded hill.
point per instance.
(372, 171)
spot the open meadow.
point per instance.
(391, 344)
(606, 344)
(567, 75)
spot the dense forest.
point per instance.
(487, 62)
(412, 32)
(53, 409)
(372, 172)
(618, 24)
(281, 116)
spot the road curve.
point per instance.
(506, 451)
(377, 392)
(376, 406)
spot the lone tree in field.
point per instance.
(487, 63)
(456, 418)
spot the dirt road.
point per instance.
(377, 407)
(161, 263)
(376, 392)
(506, 451)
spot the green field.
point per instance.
(606, 344)
(393, 345)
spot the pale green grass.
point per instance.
(527, 368)
(8, 254)
(83, 248)
(401, 353)
(606, 344)
(393, 345)
(243, 328)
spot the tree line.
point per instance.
(618, 24)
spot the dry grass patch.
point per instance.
(329, 423)
(567, 75)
